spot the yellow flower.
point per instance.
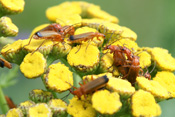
(12, 7)
(105, 102)
(39, 110)
(80, 108)
(144, 58)
(84, 57)
(112, 31)
(94, 11)
(58, 107)
(132, 45)
(13, 52)
(66, 8)
(59, 78)
(144, 104)
(81, 8)
(15, 112)
(33, 65)
(128, 34)
(123, 87)
(7, 27)
(158, 91)
(27, 103)
(38, 95)
(60, 50)
(163, 59)
(70, 20)
(24, 106)
(42, 45)
(167, 80)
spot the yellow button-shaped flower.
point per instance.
(15, 112)
(40, 110)
(163, 59)
(105, 102)
(123, 87)
(69, 8)
(80, 108)
(154, 87)
(58, 107)
(95, 11)
(12, 6)
(33, 65)
(59, 78)
(144, 104)
(7, 27)
(144, 58)
(128, 34)
(167, 80)
(84, 57)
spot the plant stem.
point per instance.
(3, 104)
(54, 94)
(50, 60)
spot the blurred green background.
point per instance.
(152, 20)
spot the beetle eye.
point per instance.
(38, 34)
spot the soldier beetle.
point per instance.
(5, 63)
(10, 103)
(52, 32)
(85, 37)
(89, 87)
(89, 36)
(129, 67)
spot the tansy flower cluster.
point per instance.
(8, 7)
(88, 54)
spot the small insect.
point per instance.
(134, 69)
(135, 64)
(129, 67)
(85, 37)
(5, 63)
(89, 36)
(118, 55)
(90, 87)
(54, 32)
(51, 32)
(10, 102)
(119, 58)
(147, 75)
(68, 30)
(128, 52)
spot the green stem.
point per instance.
(53, 93)
(3, 104)
(50, 60)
